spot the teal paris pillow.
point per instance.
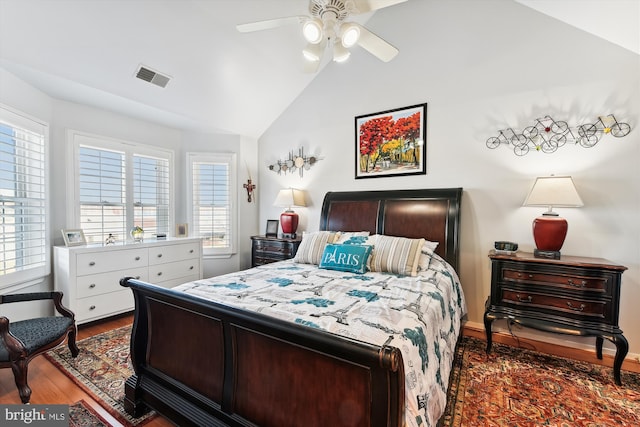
(351, 258)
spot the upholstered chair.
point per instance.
(23, 340)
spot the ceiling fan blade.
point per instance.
(365, 6)
(269, 24)
(376, 46)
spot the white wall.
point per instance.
(62, 115)
(481, 67)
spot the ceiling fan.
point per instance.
(327, 27)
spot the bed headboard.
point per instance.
(433, 214)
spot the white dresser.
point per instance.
(89, 276)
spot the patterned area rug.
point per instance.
(516, 387)
(83, 415)
(101, 369)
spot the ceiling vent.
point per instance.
(148, 75)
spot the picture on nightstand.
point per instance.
(272, 228)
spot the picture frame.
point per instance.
(391, 143)
(272, 228)
(182, 230)
(73, 237)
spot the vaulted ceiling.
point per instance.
(221, 80)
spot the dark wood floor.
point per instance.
(50, 386)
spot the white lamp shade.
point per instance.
(350, 34)
(554, 191)
(312, 30)
(290, 197)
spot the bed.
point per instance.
(231, 351)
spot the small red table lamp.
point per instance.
(289, 197)
(550, 230)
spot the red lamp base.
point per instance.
(289, 223)
(549, 232)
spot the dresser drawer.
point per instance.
(566, 280)
(273, 247)
(96, 284)
(170, 253)
(99, 262)
(99, 306)
(174, 270)
(561, 305)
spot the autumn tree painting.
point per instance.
(391, 142)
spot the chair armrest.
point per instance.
(56, 296)
(14, 346)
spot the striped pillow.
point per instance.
(398, 255)
(312, 246)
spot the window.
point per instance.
(120, 185)
(213, 201)
(24, 241)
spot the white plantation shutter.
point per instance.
(119, 184)
(24, 243)
(102, 185)
(151, 194)
(213, 204)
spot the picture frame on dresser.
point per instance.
(272, 228)
(73, 237)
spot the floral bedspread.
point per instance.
(419, 315)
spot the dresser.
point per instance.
(265, 250)
(89, 275)
(572, 295)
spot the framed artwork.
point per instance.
(392, 143)
(182, 230)
(272, 228)
(73, 237)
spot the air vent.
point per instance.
(148, 75)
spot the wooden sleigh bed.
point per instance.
(196, 362)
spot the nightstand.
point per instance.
(265, 250)
(571, 295)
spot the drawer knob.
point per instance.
(93, 285)
(571, 306)
(159, 273)
(191, 268)
(92, 263)
(159, 255)
(582, 283)
(93, 307)
(137, 258)
(527, 299)
(191, 251)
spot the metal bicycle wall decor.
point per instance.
(547, 134)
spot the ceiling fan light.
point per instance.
(312, 52)
(340, 53)
(350, 34)
(312, 31)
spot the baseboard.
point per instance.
(557, 347)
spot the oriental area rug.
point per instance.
(517, 387)
(82, 415)
(101, 369)
(509, 387)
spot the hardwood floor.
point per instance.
(50, 386)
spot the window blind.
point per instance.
(23, 198)
(102, 188)
(151, 194)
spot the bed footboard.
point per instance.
(201, 363)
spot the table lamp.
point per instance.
(550, 230)
(289, 197)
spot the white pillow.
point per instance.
(428, 249)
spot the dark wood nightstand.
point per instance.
(571, 295)
(265, 250)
